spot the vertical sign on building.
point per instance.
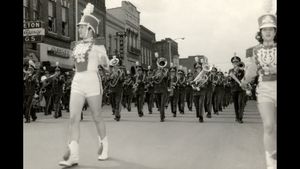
(121, 36)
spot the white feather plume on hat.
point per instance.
(197, 59)
(269, 6)
(88, 9)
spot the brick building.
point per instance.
(147, 47)
(129, 14)
(188, 63)
(113, 41)
(59, 21)
(168, 49)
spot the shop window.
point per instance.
(25, 10)
(35, 7)
(51, 16)
(65, 24)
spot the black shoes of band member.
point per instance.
(150, 112)
(162, 120)
(141, 114)
(208, 115)
(33, 119)
(117, 118)
(241, 121)
(201, 119)
(181, 112)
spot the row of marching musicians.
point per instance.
(45, 92)
(209, 89)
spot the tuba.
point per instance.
(241, 65)
(115, 78)
(160, 74)
(202, 77)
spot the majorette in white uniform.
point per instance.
(87, 54)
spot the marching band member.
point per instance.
(173, 90)
(238, 94)
(227, 88)
(67, 91)
(189, 90)
(139, 89)
(30, 83)
(46, 85)
(220, 92)
(160, 86)
(128, 91)
(199, 93)
(149, 90)
(116, 88)
(86, 85)
(57, 86)
(264, 64)
(181, 90)
(210, 88)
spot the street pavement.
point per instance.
(146, 143)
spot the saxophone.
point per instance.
(137, 82)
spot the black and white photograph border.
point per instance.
(190, 35)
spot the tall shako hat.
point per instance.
(268, 19)
(88, 19)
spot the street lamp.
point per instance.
(170, 47)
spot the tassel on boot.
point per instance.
(71, 157)
(103, 148)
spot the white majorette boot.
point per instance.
(71, 157)
(271, 160)
(103, 148)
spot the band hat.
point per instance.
(197, 65)
(180, 72)
(88, 19)
(267, 20)
(172, 69)
(235, 59)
